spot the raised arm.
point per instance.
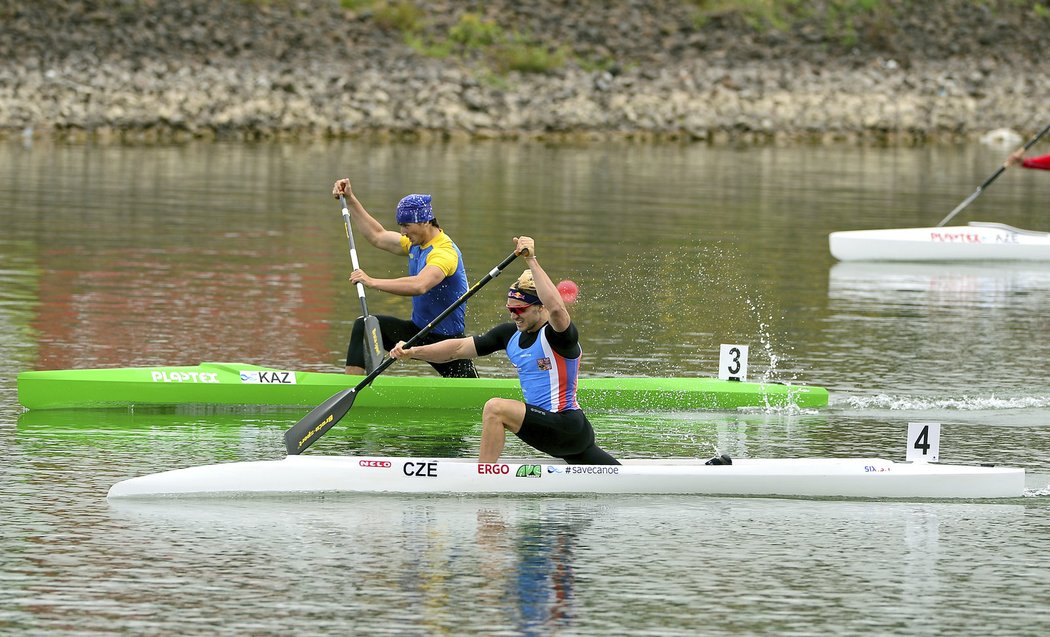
(545, 288)
(373, 231)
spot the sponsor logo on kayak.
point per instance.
(420, 469)
(310, 434)
(268, 378)
(529, 471)
(379, 464)
(591, 470)
(487, 469)
(955, 237)
(160, 376)
(971, 237)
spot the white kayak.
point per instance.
(978, 241)
(799, 477)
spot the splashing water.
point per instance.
(964, 403)
(691, 300)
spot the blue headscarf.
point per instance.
(414, 209)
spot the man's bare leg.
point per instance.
(499, 416)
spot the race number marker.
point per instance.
(924, 442)
(732, 362)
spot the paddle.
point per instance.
(987, 182)
(373, 340)
(314, 424)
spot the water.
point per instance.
(174, 255)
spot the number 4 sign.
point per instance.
(732, 362)
(924, 442)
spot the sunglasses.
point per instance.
(518, 310)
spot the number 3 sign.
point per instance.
(732, 362)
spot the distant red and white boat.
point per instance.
(978, 241)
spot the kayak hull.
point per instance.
(234, 384)
(978, 241)
(799, 477)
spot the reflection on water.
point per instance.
(938, 285)
(532, 565)
(437, 433)
(948, 334)
(168, 255)
(232, 252)
(518, 555)
(579, 565)
(136, 443)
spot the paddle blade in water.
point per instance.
(314, 424)
(373, 344)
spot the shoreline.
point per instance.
(149, 73)
(755, 104)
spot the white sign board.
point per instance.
(924, 442)
(732, 362)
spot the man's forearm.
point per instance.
(440, 352)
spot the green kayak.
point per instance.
(230, 384)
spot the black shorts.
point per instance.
(567, 435)
(396, 329)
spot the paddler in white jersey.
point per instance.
(544, 346)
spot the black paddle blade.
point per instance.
(373, 343)
(314, 424)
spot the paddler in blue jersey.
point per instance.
(543, 344)
(436, 279)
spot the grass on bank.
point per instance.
(840, 18)
(843, 22)
(471, 36)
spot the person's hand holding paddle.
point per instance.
(526, 247)
(360, 276)
(399, 352)
(373, 342)
(341, 188)
(567, 288)
(1015, 157)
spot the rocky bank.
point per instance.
(155, 70)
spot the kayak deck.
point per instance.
(798, 477)
(233, 384)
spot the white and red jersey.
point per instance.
(548, 379)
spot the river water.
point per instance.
(120, 256)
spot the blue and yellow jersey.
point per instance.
(443, 254)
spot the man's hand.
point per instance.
(360, 276)
(526, 247)
(399, 351)
(342, 188)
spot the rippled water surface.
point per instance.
(148, 256)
